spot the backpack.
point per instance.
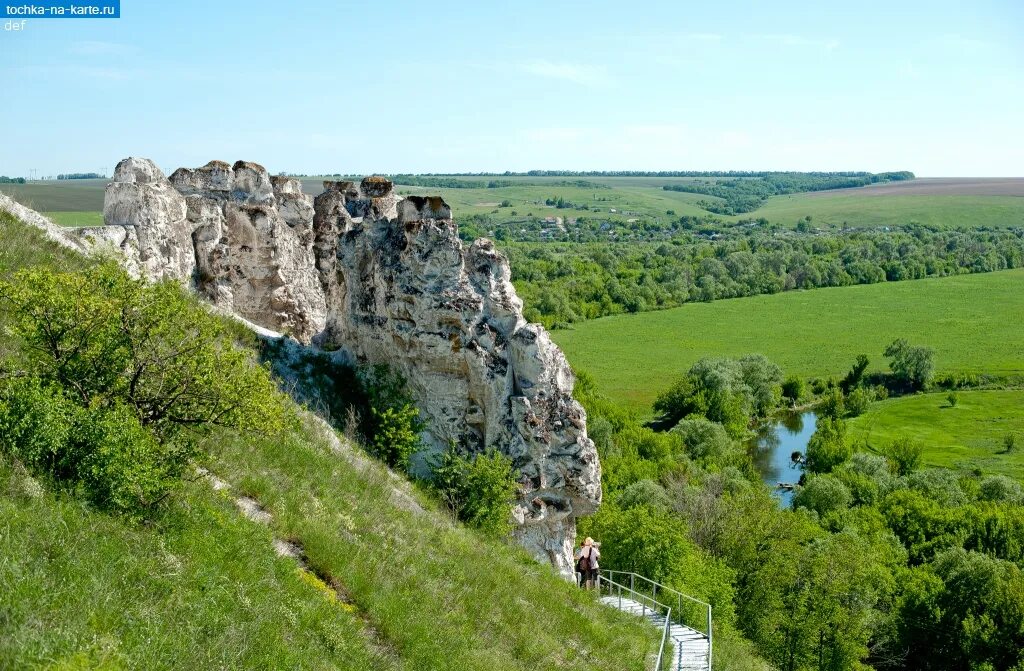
(584, 562)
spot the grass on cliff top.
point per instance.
(201, 587)
(973, 322)
(966, 436)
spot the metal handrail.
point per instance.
(655, 586)
(643, 599)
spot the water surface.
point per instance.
(773, 447)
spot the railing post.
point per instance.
(709, 637)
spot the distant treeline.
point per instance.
(746, 195)
(648, 173)
(81, 175)
(4, 179)
(453, 182)
(567, 282)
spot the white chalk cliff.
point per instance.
(386, 280)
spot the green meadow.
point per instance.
(854, 207)
(972, 321)
(966, 436)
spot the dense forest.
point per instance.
(746, 195)
(565, 283)
(879, 562)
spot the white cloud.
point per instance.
(572, 72)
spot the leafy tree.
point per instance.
(396, 435)
(727, 391)
(392, 425)
(823, 494)
(1001, 488)
(905, 455)
(706, 441)
(833, 405)
(911, 365)
(828, 447)
(644, 493)
(793, 389)
(858, 401)
(964, 610)
(856, 374)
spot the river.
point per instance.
(773, 447)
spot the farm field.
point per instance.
(862, 208)
(942, 202)
(972, 322)
(964, 437)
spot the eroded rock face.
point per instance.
(388, 281)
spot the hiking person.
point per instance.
(581, 566)
(586, 562)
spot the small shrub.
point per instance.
(1009, 443)
(479, 490)
(953, 398)
(396, 435)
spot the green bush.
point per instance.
(644, 493)
(479, 490)
(823, 494)
(905, 455)
(834, 404)
(396, 435)
(106, 451)
(112, 382)
(828, 448)
(858, 401)
(793, 389)
(1001, 488)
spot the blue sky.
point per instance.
(934, 87)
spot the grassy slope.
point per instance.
(972, 321)
(202, 588)
(967, 436)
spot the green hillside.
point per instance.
(972, 322)
(386, 581)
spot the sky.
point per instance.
(322, 87)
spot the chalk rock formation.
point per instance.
(387, 281)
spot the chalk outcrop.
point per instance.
(386, 280)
